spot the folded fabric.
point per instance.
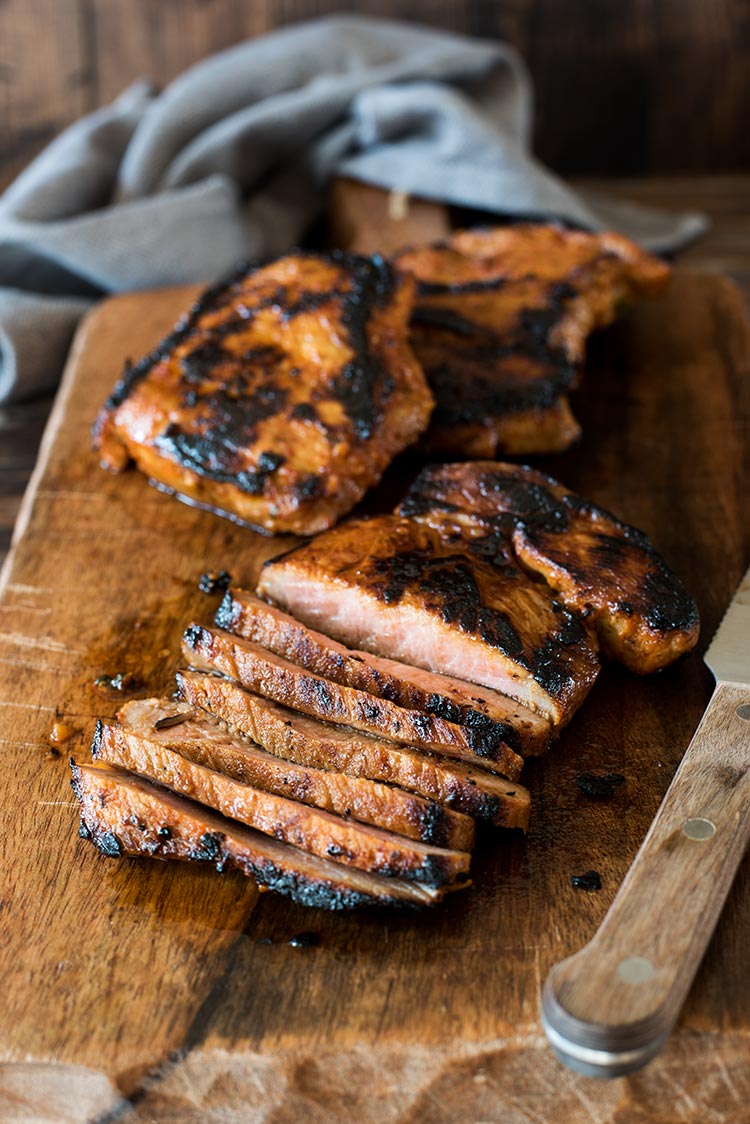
(229, 162)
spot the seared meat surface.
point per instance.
(204, 740)
(599, 567)
(308, 828)
(500, 327)
(414, 688)
(449, 785)
(123, 814)
(462, 608)
(282, 396)
(252, 666)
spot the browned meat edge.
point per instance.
(310, 829)
(284, 682)
(205, 739)
(125, 815)
(296, 737)
(491, 716)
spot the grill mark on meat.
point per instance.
(113, 803)
(598, 566)
(422, 591)
(259, 670)
(292, 736)
(235, 380)
(489, 715)
(359, 380)
(500, 329)
(206, 740)
(310, 829)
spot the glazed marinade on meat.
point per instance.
(202, 738)
(500, 327)
(123, 814)
(486, 712)
(311, 829)
(460, 607)
(281, 397)
(446, 783)
(601, 568)
(259, 670)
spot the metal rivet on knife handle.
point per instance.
(698, 829)
(635, 969)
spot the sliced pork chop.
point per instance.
(292, 736)
(205, 740)
(500, 327)
(598, 566)
(125, 815)
(406, 591)
(308, 828)
(246, 615)
(259, 670)
(281, 397)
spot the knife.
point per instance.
(608, 1009)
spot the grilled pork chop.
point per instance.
(500, 327)
(599, 567)
(278, 679)
(281, 397)
(406, 591)
(203, 740)
(308, 828)
(414, 688)
(125, 815)
(447, 784)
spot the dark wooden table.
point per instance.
(725, 249)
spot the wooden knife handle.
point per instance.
(608, 1009)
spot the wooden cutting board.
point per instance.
(137, 991)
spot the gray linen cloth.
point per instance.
(229, 160)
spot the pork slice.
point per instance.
(598, 566)
(261, 671)
(123, 814)
(404, 590)
(205, 740)
(294, 737)
(244, 614)
(308, 828)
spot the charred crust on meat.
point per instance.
(224, 388)
(305, 412)
(194, 636)
(452, 592)
(432, 824)
(134, 374)
(363, 385)
(228, 613)
(210, 848)
(97, 740)
(454, 288)
(483, 349)
(108, 844)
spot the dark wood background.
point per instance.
(623, 86)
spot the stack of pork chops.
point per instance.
(286, 392)
(339, 730)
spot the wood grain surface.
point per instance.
(141, 992)
(619, 86)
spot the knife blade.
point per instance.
(608, 1009)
